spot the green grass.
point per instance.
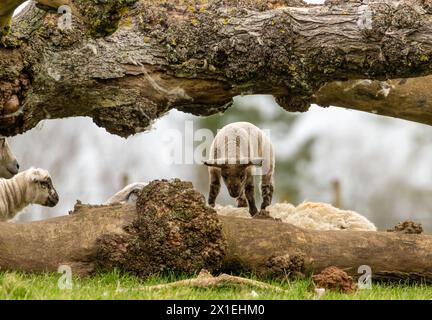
(116, 286)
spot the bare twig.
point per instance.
(205, 280)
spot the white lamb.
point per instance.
(128, 194)
(240, 151)
(33, 186)
(309, 215)
(8, 163)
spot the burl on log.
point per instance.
(172, 228)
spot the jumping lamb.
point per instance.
(128, 194)
(239, 151)
(33, 186)
(8, 163)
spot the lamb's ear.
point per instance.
(2, 141)
(256, 162)
(209, 163)
(32, 175)
(212, 163)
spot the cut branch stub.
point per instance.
(174, 230)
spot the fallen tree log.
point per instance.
(126, 63)
(171, 228)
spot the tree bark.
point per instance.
(278, 249)
(409, 99)
(171, 228)
(71, 240)
(125, 63)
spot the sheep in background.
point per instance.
(33, 186)
(236, 152)
(309, 215)
(128, 194)
(8, 163)
(323, 216)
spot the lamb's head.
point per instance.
(234, 174)
(8, 163)
(40, 189)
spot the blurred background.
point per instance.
(377, 166)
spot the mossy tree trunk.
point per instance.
(125, 63)
(171, 228)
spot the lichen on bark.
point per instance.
(103, 17)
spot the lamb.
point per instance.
(33, 186)
(239, 151)
(128, 194)
(309, 215)
(8, 163)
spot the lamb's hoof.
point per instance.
(262, 214)
(265, 215)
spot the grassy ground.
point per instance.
(116, 286)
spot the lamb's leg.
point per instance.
(242, 201)
(214, 187)
(267, 189)
(250, 195)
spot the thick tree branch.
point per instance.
(409, 99)
(127, 63)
